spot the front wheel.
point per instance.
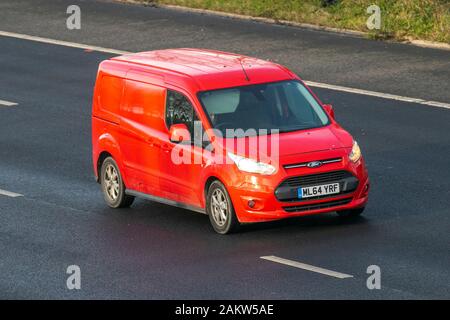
(220, 209)
(112, 185)
(351, 213)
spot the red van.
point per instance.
(238, 138)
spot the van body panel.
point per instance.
(129, 123)
(140, 126)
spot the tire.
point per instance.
(112, 185)
(350, 214)
(220, 209)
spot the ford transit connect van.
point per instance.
(237, 138)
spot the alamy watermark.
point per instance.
(73, 282)
(73, 22)
(374, 280)
(374, 21)
(261, 145)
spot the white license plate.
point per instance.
(317, 191)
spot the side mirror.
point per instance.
(329, 109)
(179, 132)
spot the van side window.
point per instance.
(180, 110)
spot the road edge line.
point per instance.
(378, 94)
(62, 43)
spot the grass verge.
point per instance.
(400, 19)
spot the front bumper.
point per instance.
(262, 198)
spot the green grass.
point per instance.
(401, 19)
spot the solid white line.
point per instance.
(7, 103)
(10, 194)
(61, 43)
(307, 267)
(309, 83)
(378, 94)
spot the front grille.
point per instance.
(316, 206)
(315, 179)
(305, 164)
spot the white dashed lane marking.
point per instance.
(4, 103)
(308, 267)
(10, 194)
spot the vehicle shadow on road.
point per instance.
(166, 217)
(309, 222)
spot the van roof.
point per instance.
(211, 69)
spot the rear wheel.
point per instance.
(349, 214)
(112, 185)
(220, 209)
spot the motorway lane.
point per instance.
(156, 251)
(319, 56)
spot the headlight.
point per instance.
(252, 166)
(355, 154)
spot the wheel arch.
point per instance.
(108, 147)
(208, 183)
(101, 157)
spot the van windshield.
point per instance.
(286, 106)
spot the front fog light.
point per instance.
(355, 154)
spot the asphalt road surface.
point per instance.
(153, 251)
